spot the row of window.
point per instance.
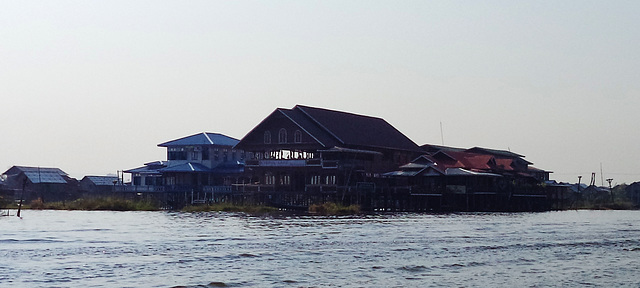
(282, 136)
(286, 180)
(281, 155)
(180, 153)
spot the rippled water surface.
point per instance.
(168, 249)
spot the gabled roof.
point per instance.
(200, 139)
(465, 172)
(187, 167)
(38, 175)
(494, 152)
(432, 149)
(45, 177)
(151, 168)
(101, 180)
(360, 130)
(477, 162)
(331, 128)
(505, 164)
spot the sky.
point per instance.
(92, 87)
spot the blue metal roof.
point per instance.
(102, 180)
(187, 167)
(229, 168)
(143, 170)
(204, 138)
(36, 177)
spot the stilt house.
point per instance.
(314, 150)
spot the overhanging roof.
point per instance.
(348, 150)
(201, 139)
(186, 167)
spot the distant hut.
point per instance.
(47, 184)
(98, 185)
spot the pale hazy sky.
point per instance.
(92, 87)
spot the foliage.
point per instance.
(618, 201)
(3, 202)
(108, 203)
(330, 208)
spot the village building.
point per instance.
(46, 184)
(98, 185)
(475, 179)
(197, 167)
(306, 154)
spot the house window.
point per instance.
(267, 137)
(150, 181)
(194, 155)
(269, 179)
(285, 180)
(297, 137)
(282, 136)
(315, 180)
(216, 155)
(330, 180)
(177, 154)
(205, 153)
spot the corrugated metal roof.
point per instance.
(37, 177)
(187, 167)
(17, 169)
(496, 152)
(200, 139)
(465, 172)
(101, 180)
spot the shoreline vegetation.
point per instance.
(324, 209)
(119, 204)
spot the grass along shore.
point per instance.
(95, 204)
(119, 204)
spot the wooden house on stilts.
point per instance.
(306, 155)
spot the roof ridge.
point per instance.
(300, 107)
(206, 134)
(298, 124)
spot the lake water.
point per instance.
(169, 249)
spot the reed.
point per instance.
(107, 203)
(330, 208)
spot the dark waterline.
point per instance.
(168, 249)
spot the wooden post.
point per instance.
(24, 184)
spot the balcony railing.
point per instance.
(172, 188)
(292, 163)
(136, 188)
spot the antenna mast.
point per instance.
(441, 133)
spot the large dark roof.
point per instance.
(336, 128)
(495, 152)
(202, 139)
